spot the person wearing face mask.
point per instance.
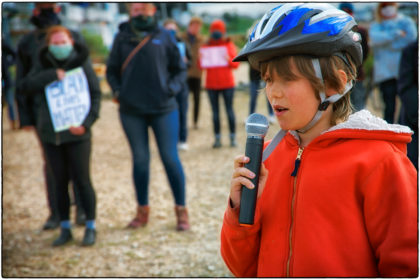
(391, 32)
(220, 82)
(68, 151)
(145, 71)
(182, 96)
(44, 16)
(193, 40)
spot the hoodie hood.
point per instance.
(364, 125)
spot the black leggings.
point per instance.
(194, 85)
(72, 157)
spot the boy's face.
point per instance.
(294, 102)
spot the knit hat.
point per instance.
(218, 25)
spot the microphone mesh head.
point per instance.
(256, 124)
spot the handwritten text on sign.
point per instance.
(68, 100)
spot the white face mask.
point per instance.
(389, 11)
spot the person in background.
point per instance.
(8, 58)
(391, 32)
(145, 71)
(220, 82)
(45, 15)
(358, 94)
(408, 91)
(67, 152)
(193, 40)
(182, 96)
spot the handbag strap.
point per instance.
(134, 51)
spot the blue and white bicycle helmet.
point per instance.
(312, 29)
(315, 29)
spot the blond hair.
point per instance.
(329, 68)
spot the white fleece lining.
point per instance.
(364, 120)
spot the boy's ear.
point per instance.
(343, 77)
(343, 81)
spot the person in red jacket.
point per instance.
(337, 195)
(220, 80)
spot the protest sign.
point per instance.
(68, 100)
(211, 57)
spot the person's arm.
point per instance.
(113, 68)
(240, 245)
(37, 79)
(23, 64)
(95, 95)
(390, 212)
(381, 36)
(177, 69)
(232, 54)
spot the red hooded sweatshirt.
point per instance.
(350, 210)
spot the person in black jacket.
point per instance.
(44, 16)
(67, 150)
(408, 91)
(145, 84)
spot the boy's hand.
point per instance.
(241, 176)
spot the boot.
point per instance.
(182, 218)
(217, 142)
(90, 237)
(65, 237)
(141, 219)
(233, 140)
(52, 222)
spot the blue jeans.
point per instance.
(166, 129)
(254, 87)
(214, 102)
(182, 100)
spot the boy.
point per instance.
(337, 194)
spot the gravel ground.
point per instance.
(157, 250)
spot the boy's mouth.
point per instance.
(280, 109)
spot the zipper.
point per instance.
(294, 174)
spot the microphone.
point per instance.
(256, 128)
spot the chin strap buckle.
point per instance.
(324, 105)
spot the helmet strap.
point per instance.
(325, 102)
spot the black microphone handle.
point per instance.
(253, 150)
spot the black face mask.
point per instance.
(143, 23)
(47, 17)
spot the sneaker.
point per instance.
(183, 146)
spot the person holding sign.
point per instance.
(66, 92)
(45, 15)
(216, 58)
(146, 72)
